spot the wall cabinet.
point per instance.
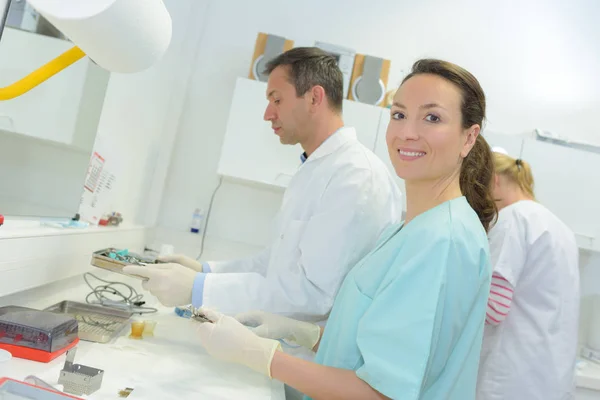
(513, 144)
(252, 152)
(567, 181)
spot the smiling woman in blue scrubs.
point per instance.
(408, 321)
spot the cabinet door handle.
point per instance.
(585, 236)
(284, 174)
(589, 240)
(283, 178)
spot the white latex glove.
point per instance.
(228, 340)
(182, 260)
(274, 326)
(171, 283)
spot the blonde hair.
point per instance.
(516, 170)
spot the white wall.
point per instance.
(141, 115)
(537, 61)
(140, 118)
(93, 94)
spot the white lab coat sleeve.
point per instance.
(508, 246)
(257, 264)
(353, 211)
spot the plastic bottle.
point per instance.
(197, 220)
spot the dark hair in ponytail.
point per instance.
(477, 170)
(476, 176)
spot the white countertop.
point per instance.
(171, 361)
(171, 365)
(588, 375)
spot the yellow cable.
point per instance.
(41, 74)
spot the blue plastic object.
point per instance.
(118, 254)
(183, 312)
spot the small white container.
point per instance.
(5, 358)
(197, 221)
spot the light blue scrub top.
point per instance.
(409, 317)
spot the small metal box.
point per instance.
(79, 379)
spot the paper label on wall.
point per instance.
(93, 173)
(99, 186)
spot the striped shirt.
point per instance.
(501, 293)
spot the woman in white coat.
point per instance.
(530, 338)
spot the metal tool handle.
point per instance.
(198, 316)
(70, 358)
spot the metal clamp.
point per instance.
(197, 315)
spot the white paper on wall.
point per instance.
(100, 181)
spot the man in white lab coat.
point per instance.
(335, 207)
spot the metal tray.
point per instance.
(101, 260)
(96, 323)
